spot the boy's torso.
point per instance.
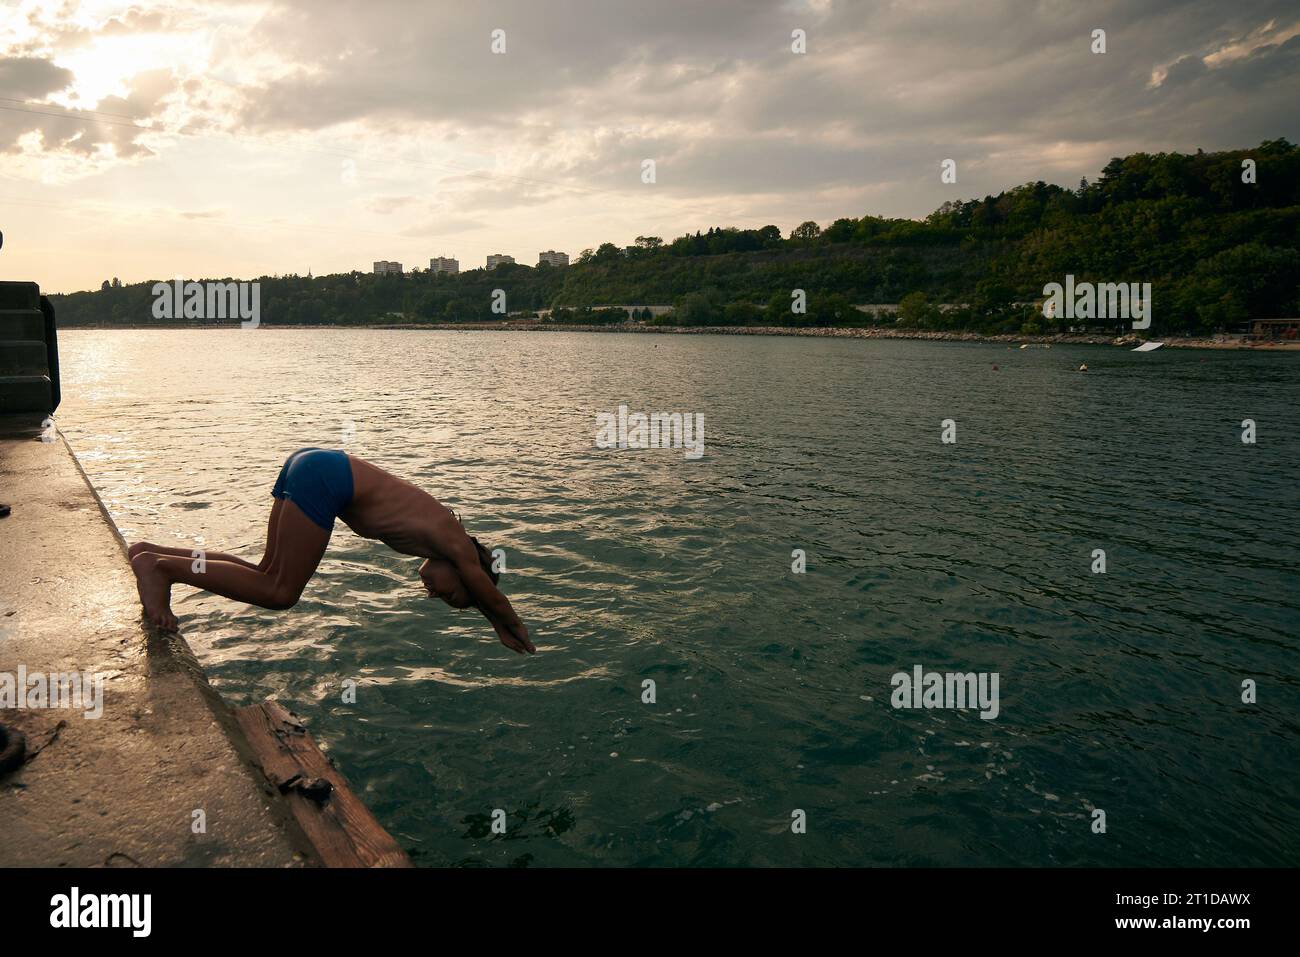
(393, 511)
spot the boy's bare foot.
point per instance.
(139, 547)
(154, 589)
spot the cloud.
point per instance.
(115, 125)
(258, 102)
(384, 205)
(32, 78)
(715, 95)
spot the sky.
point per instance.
(212, 139)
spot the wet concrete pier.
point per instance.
(164, 777)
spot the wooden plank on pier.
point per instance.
(340, 828)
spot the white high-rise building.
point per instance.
(385, 268)
(497, 259)
(444, 264)
(552, 257)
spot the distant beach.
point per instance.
(1075, 339)
(1199, 342)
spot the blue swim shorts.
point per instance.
(318, 481)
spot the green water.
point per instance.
(1119, 691)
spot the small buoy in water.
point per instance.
(995, 367)
(1084, 367)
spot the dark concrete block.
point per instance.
(20, 295)
(25, 393)
(22, 324)
(23, 357)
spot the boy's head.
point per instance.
(442, 581)
(485, 560)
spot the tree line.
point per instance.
(1217, 235)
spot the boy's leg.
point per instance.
(268, 552)
(272, 524)
(181, 552)
(298, 545)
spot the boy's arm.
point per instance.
(494, 605)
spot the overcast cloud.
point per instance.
(229, 138)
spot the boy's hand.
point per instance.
(460, 551)
(516, 639)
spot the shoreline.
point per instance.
(834, 332)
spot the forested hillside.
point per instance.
(1218, 250)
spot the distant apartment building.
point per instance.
(443, 264)
(498, 260)
(552, 257)
(384, 268)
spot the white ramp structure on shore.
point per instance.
(1149, 347)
